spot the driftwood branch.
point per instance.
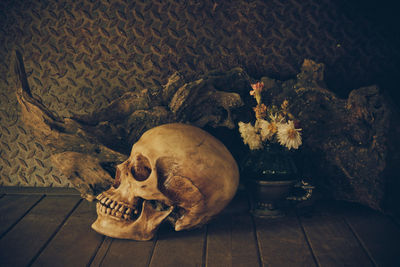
(87, 147)
(78, 153)
(349, 145)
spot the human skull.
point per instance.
(175, 172)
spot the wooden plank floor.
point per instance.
(54, 230)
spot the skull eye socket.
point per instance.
(141, 169)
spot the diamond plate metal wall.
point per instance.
(82, 54)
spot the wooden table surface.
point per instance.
(54, 230)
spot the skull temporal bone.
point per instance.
(176, 172)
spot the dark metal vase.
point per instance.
(271, 177)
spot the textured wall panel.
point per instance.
(80, 55)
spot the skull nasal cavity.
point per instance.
(117, 180)
(141, 169)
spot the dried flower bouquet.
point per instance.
(273, 124)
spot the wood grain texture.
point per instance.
(123, 252)
(282, 242)
(231, 241)
(219, 245)
(20, 245)
(13, 208)
(378, 234)
(332, 241)
(75, 243)
(102, 252)
(178, 248)
(55, 231)
(27, 190)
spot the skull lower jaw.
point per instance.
(141, 229)
(111, 227)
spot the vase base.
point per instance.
(267, 211)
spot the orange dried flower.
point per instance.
(285, 104)
(256, 92)
(260, 111)
(257, 87)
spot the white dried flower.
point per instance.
(250, 136)
(288, 135)
(265, 128)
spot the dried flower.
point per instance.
(262, 126)
(260, 111)
(288, 135)
(284, 107)
(284, 104)
(257, 87)
(256, 92)
(279, 124)
(250, 136)
(267, 129)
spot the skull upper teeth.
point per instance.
(115, 208)
(121, 209)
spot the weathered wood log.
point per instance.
(76, 151)
(86, 148)
(348, 145)
(199, 102)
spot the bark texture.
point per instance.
(86, 148)
(350, 146)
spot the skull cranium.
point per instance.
(175, 172)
